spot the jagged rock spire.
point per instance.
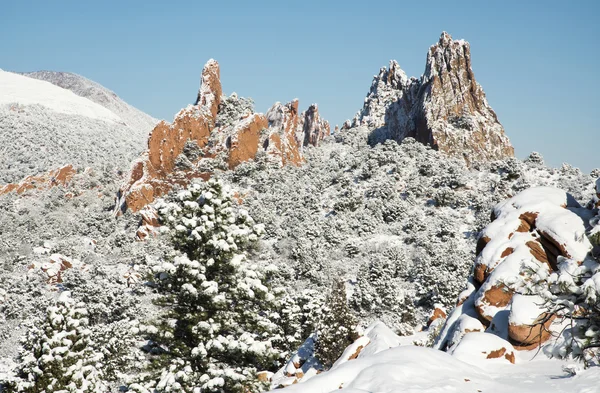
(209, 94)
(445, 108)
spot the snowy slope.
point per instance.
(18, 89)
(99, 94)
(408, 368)
(44, 126)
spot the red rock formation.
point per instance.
(209, 95)
(236, 140)
(445, 108)
(150, 223)
(435, 315)
(55, 266)
(528, 231)
(244, 143)
(282, 143)
(151, 176)
(61, 176)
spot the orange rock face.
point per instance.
(283, 143)
(497, 296)
(314, 128)
(244, 144)
(150, 176)
(526, 335)
(209, 96)
(61, 176)
(510, 356)
(437, 314)
(166, 141)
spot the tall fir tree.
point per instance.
(220, 325)
(337, 327)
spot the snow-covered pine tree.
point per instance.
(57, 353)
(300, 314)
(337, 327)
(572, 295)
(381, 290)
(220, 322)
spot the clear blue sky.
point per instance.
(537, 62)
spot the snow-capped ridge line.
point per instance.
(20, 90)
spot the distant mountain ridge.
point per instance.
(97, 93)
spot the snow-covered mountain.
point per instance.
(44, 126)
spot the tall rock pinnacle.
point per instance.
(446, 108)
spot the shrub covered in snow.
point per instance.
(398, 218)
(58, 353)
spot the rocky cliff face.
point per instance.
(446, 108)
(217, 132)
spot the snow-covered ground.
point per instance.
(98, 94)
(409, 368)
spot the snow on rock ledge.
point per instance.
(530, 230)
(477, 347)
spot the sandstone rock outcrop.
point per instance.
(477, 347)
(61, 176)
(438, 313)
(282, 142)
(529, 231)
(445, 108)
(216, 130)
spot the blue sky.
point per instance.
(537, 62)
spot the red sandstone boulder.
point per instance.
(529, 231)
(477, 347)
(528, 323)
(438, 313)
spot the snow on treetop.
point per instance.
(18, 89)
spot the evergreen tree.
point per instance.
(220, 326)
(337, 327)
(381, 291)
(58, 354)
